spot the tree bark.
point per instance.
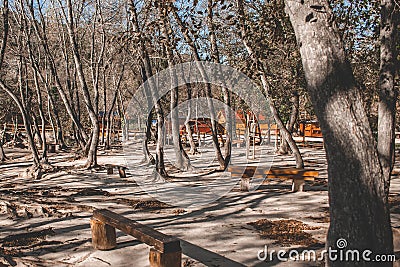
(387, 92)
(103, 118)
(358, 204)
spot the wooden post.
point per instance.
(52, 148)
(110, 169)
(103, 235)
(121, 171)
(298, 184)
(245, 184)
(170, 259)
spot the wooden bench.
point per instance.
(121, 170)
(165, 250)
(298, 176)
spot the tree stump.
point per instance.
(245, 184)
(170, 259)
(298, 185)
(103, 235)
(122, 173)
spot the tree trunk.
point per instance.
(51, 120)
(358, 205)
(387, 91)
(193, 148)
(109, 112)
(182, 160)
(283, 131)
(3, 156)
(103, 118)
(25, 118)
(284, 148)
(225, 91)
(40, 107)
(36, 130)
(40, 29)
(152, 92)
(91, 107)
(208, 94)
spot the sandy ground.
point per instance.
(58, 207)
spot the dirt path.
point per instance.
(46, 222)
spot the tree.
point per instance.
(208, 92)
(260, 68)
(147, 73)
(387, 91)
(358, 204)
(9, 90)
(91, 105)
(182, 159)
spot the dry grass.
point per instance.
(286, 232)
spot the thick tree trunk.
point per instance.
(358, 205)
(387, 92)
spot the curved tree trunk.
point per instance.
(225, 91)
(27, 124)
(148, 71)
(284, 148)
(193, 148)
(182, 159)
(359, 209)
(90, 106)
(283, 131)
(208, 93)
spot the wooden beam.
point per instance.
(259, 172)
(161, 242)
